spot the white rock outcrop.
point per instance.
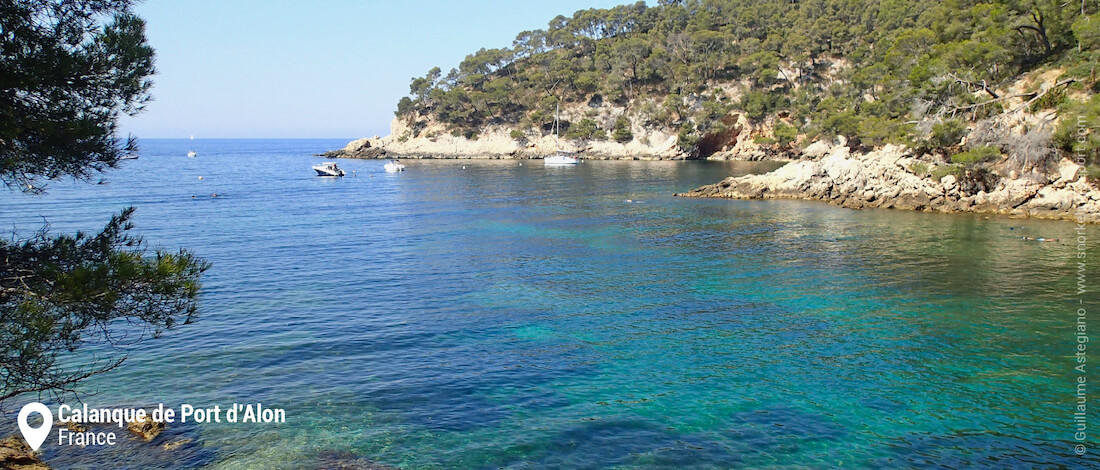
(883, 178)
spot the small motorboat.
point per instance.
(328, 169)
(562, 157)
(191, 154)
(393, 166)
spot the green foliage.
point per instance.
(1087, 31)
(757, 104)
(66, 78)
(405, 107)
(976, 155)
(844, 123)
(65, 75)
(764, 140)
(956, 170)
(687, 138)
(59, 293)
(948, 133)
(670, 59)
(621, 132)
(1052, 99)
(1077, 135)
(785, 134)
(517, 134)
(920, 169)
(585, 129)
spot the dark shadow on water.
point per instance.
(981, 450)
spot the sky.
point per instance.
(322, 69)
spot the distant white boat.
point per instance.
(191, 154)
(561, 157)
(328, 169)
(393, 166)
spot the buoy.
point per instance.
(200, 178)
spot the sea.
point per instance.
(502, 314)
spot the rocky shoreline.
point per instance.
(892, 178)
(889, 177)
(460, 148)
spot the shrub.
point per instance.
(621, 132)
(1051, 100)
(585, 129)
(1076, 135)
(948, 133)
(762, 140)
(919, 169)
(875, 131)
(757, 104)
(687, 138)
(1093, 173)
(976, 155)
(785, 134)
(517, 134)
(956, 170)
(404, 106)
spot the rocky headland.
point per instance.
(429, 139)
(892, 178)
(497, 142)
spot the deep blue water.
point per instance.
(499, 314)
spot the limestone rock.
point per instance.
(170, 446)
(1068, 170)
(817, 149)
(15, 454)
(881, 178)
(146, 428)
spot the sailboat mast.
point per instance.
(557, 111)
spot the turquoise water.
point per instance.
(488, 314)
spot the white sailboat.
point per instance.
(561, 157)
(192, 154)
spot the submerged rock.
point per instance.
(333, 460)
(145, 428)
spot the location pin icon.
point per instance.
(35, 436)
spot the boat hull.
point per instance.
(560, 160)
(328, 170)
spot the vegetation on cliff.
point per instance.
(932, 75)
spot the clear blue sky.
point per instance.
(292, 69)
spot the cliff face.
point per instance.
(425, 137)
(886, 178)
(433, 141)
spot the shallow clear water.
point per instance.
(485, 314)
